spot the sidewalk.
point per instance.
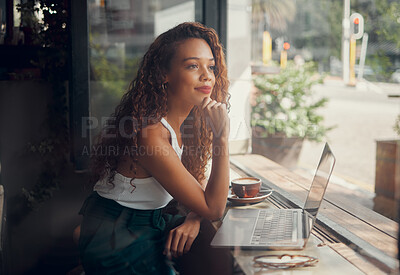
(362, 115)
(350, 190)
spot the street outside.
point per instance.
(362, 115)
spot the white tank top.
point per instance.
(147, 194)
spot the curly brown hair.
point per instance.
(145, 103)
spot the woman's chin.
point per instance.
(200, 100)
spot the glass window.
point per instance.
(120, 33)
(361, 83)
(3, 21)
(238, 55)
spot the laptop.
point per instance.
(277, 228)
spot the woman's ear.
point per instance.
(165, 77)
(164, 81)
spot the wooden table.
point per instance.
(347, 238)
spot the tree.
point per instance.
(275, 14)
(270, 15)
(389, 21)
(382, 23)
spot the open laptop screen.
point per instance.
(320, 182)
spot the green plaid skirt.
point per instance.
(118, 240)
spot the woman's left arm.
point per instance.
(181, 238)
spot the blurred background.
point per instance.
(307, 71)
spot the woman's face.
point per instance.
(191, 76)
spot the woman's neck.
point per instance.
(176, 119)
(176, 115)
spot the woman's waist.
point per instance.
(119, 178)
(98, 206)
(144, 194)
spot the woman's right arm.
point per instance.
(217, 117)
(157, 156)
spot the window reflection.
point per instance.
(120, 33)
(364, 110)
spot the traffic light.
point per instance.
(356, 31)
(286, 46)
(357, 25)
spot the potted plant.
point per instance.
(387, 175)
(29, 25)
(284, 113)
(50, 37)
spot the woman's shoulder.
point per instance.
(154, 134)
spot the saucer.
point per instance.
(262, 195)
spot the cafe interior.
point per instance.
(314, 99)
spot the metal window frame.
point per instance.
(213, 14)
(79, 88)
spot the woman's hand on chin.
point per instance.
(216, 117)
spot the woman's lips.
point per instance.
(204, 89)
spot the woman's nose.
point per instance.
(205, 75)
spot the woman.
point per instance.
(171, 121)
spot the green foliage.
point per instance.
(381, 65)
(43, 190)
(51, 30)
(52, 36)
(317, 29)
(114, 77)
(335, 10)
(396, 126)
(27, 11)
(274, 14)
(29, 22)
(285, 105)
(389, 26)
(54, 28)
(44, 147)
(52, 152)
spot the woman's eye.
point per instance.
(193, 66)
(212, 67)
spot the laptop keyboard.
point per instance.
(275, 226)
